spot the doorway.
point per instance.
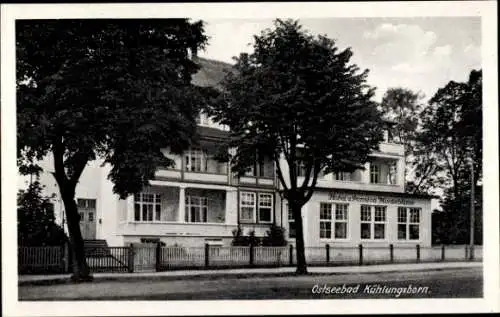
(87, 212)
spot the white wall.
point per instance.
(311, 218)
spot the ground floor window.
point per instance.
(256, 207)
(333, 221)
(373, 222)
(147, 207)
(247, 206)
(408, 223)
(265, 207)
(196, 209)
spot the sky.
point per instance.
(422, 54)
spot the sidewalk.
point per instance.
(247, 272)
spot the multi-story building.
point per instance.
(199, 200)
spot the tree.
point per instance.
(452, 134)
(403, 107)
(35, 219)
(297, 98)
(452, 130)
(275, 237)
(116, 90)
(453, 226)
(239, 239)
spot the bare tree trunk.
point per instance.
(81, 271)
(299, 238)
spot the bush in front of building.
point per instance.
(36, 224)
(239, 239)
(275, 237)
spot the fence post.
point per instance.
(418, 252)
(327, 246)
(251, 254)
(360, 254)
(290, 255)
(442, 252)
(207, 254)
(131, 258)
(471, 252)
(391, 250)
(158, 257)
(466, 252)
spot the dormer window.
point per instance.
(203, 119)
(343, 176)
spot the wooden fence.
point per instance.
(150, 257)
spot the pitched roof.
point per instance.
(214, 134)
(211, 72)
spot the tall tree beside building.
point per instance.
(299, 98)
(36, 224)
(403, 107)
(118, 90)
(452, 132)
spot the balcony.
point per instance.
(392, 149)
(196, 165)
(262, 174)
(167, 210)
(383, 174)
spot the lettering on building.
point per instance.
(371, 199)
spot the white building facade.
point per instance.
(199, 200)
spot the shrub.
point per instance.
(275, 236)
(241, 240)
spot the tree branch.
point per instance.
(309, 168)
(59, 173)
(317, 169)
(280, 172)
(78, 169)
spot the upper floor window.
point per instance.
(196, 160)
(147, 207)
(342, 176)
(408, 223)
(261, 168)
(374, 173)
(392, 174)
(373, 222)
(203, 119)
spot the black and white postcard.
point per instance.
(250, 158)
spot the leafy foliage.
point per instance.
(403, 107)
(452, 138)
(298, 97)
(275, 236)
(452, 224)
(239, 239)
(35, 219)
(118, 90)
(452, 131)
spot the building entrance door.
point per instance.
(86, 210)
